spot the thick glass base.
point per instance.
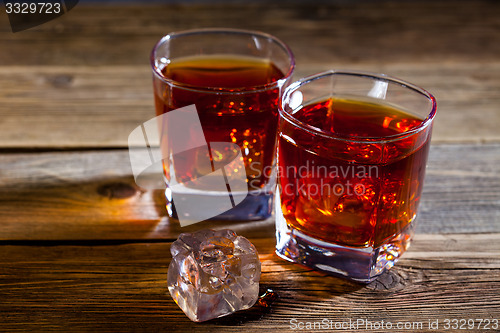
(358, 264)
(253, 206)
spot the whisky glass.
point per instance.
(234, 79)
(352, 153)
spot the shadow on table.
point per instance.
(285, 285)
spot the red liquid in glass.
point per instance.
(234, 105)
(346, 192)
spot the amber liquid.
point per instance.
(233, 106)
(352, 193)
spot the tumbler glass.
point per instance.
(234, 79)
(352, 154)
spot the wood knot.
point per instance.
(389, 281)
(116, 190)
(61, 80)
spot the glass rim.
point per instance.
(335, 136)
(222, 90)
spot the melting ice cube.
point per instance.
(213, 273)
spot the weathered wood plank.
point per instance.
(373, 32)
(83, 80)
(123, 287)
(92, 195)
(73, 106)
(462, 185)
(82, 106)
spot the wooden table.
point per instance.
(82, 248)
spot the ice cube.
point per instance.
(213, 273)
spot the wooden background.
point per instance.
(82, 248)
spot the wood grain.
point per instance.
(82, 106)
(377, 32)
(123, 287)
(83, 80)
(92, 196)
(83, 249)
